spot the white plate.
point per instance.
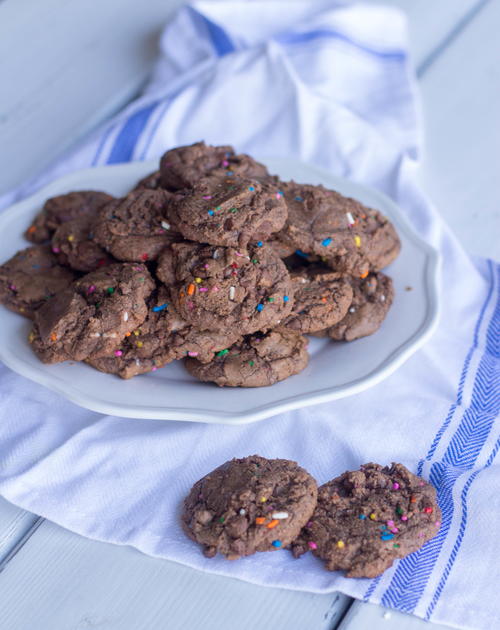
(335, 369)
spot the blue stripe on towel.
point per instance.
(463, 376)
(126, 140)
(461, 533)
(374, 583)
(220, 39)
(299, 38)
(412, 574)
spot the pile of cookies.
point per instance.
(359, 522)
(210, 259)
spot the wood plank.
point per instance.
(59, 580)
(15, 523)
(461, 101)
(430, 23)
(68, 66)
(362, 616)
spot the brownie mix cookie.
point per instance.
(229, 211)
(136, 227)
(348, 236)
(184, 166)
(91, 318)
(160, 339)
(58, 210)
(150, 182)
(372, 299)
(248, 505)
(259, 360)
(321, 298)
(220, 287)
(31, 278)
(74, 245)
(279, 247)
(366, 519)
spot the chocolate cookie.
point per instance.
(160, 339)
(74, 245)
(229, 211)
(321, 298)
(136, 227)
(248, 505)
(58, 210)
(91, 318)
(257, 361)
(150, 182)
(279, 247)
(372, 299)
(182, 167)
(30, 278)
(366, 519)
(165, 267)
(348, 236)
(220, 288)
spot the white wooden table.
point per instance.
(55, 580)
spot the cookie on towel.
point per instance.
(366, 519)
(248, 505)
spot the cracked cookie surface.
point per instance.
(259, 360)
(366, 519)
(31, 278)
(321, 299)
(182, 167)
(229, 211)
(248, 505)
(91, 317)
(220, 287)
(58, 210)
(163, 337)
(347, 235)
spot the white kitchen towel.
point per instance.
(329, 83)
